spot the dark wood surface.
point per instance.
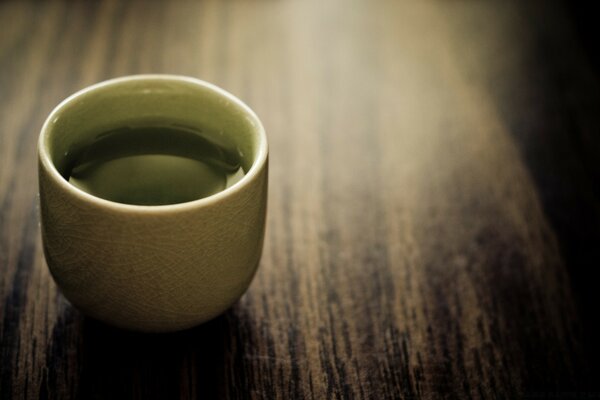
(433, 226)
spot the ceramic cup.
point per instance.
(152, 268)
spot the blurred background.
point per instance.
(433, 221)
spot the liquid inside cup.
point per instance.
(153, 165)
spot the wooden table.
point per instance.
(433, 225)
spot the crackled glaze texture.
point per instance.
(153, 268)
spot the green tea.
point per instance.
(152, 165)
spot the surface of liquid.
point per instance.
(152, 166)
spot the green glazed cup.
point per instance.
(152, 268)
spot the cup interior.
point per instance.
(152, 100)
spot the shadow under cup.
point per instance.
(153, 268)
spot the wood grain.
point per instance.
(433, 219)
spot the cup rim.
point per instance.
(258, 163)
